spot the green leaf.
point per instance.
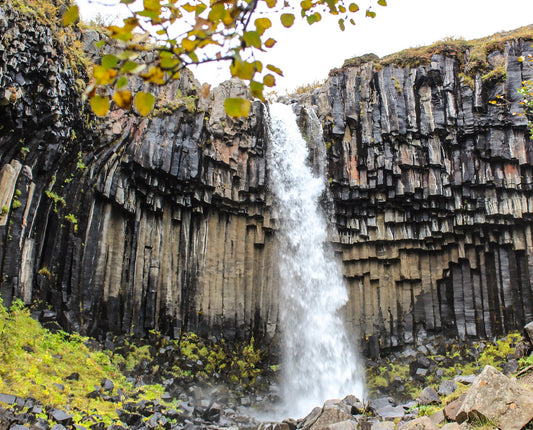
(237, 107)
(71, 15)
(217, 12)
(353, 7)
(109, 61)
(121, 83)
(316, 17)
(100, 105)
(287, 20)
(370, 14)
(144, 102)
(341, 24)
(252, 38)
(99, 44)
(132, 67)
(382, 2)
(256, 88)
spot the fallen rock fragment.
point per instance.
(495, 397)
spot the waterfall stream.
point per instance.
(319, 361)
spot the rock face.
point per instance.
(432, 188)
(133, 224)
(165, 222)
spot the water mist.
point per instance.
(319, 362)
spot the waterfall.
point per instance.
(319, 362)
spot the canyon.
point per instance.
(167, 223)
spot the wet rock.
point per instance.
(73, 377)
(447, 387)
(428, 396)
(493, 396)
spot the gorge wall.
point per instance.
(166, 222)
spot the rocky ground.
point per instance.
(204, 384)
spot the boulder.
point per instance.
(528, 329)
(344, 425)
(391, 412)
(495, 397)
(452, 408)
(384, 425)
(331, 413)
(447, 387)
(428, 396)
(422, 423)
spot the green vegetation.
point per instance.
(49, 14)
(472, 55)
(459, 359)
(60, 369)
(57, 199)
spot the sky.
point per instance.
(307, 53)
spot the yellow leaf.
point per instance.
(382, 2)
(204, 91)
(237, 107)
(123, 99)
(71, 15)
(261, 24)
(269, 80)
(242, 69)
(270, 43)
(275, 69)
(271, 3)
(370, 14)
(188, 45)
(104, 76)
(100, 105)
(306, 4)
(154, 75)
(287, 19)
(144, 102)
(353, 7)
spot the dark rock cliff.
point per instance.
(433, 196)
(164, 222)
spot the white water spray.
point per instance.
(319, 361)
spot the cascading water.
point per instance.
(319, 361)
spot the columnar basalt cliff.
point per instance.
(132, 224)
(433, 195)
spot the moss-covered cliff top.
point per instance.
(477, 51)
